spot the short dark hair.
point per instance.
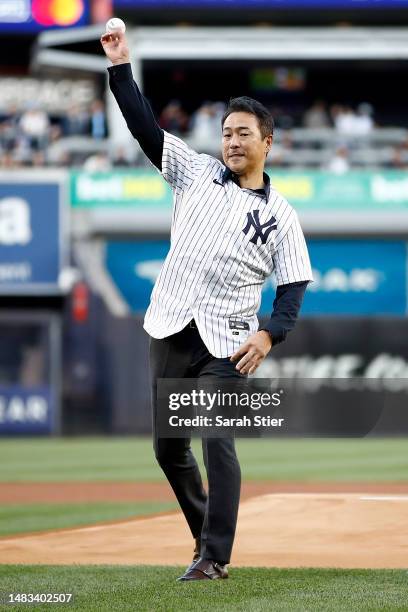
(244, 104)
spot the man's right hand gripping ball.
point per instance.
(116, 47)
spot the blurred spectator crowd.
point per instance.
(334, 138)
(27, 138)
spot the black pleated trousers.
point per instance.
(212, 516)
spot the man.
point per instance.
(230, 231)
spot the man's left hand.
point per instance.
(252, 352)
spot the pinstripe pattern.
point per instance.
(212, 271)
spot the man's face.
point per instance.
(243, 148)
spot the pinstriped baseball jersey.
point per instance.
(225, 241)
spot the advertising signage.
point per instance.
(384, 191)
(26, 411)
(351, 277)
(32, 234)
(27, 16)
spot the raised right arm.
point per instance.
(134, 106)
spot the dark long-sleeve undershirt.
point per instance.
(286, 306)
(137, 112)
(144, 128)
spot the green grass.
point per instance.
(39, 517)
(153, 589)
(132, 459)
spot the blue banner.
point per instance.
(26, 411)
(31, 236)
(134, 267)
(357, 277)
(352, 277)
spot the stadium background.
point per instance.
(84, 227)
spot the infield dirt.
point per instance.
(316, 529)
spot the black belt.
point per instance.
(192, 324)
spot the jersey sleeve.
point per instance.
(291, 257)
(180, 164)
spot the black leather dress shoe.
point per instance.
(204, 569)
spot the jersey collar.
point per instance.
(228, 175)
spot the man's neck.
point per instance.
(254, 180)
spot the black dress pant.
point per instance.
(211, 517)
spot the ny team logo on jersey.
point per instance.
(262, 230)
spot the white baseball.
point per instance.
(115, 25)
